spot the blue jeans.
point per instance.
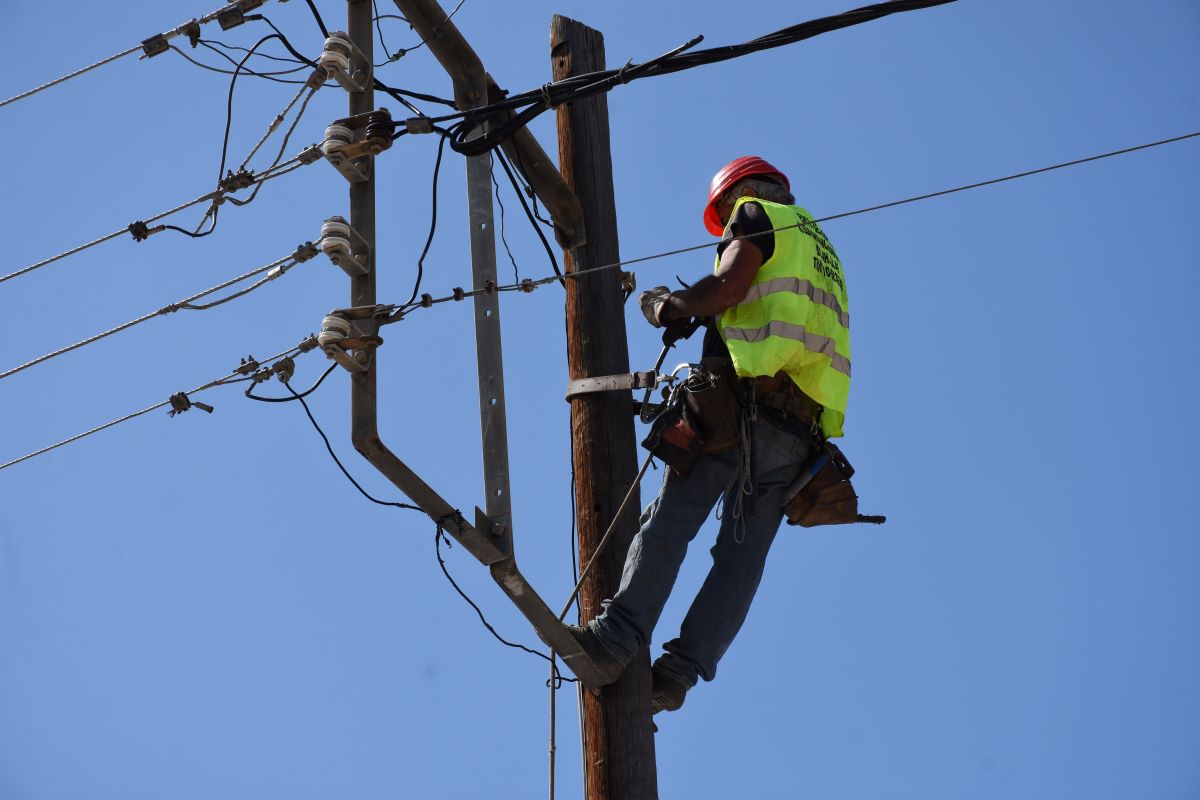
(672, 521)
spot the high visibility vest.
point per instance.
(795, 317)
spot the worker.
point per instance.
(776, 308)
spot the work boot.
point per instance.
(666, 692)
(607, 665)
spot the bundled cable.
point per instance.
(535, 102)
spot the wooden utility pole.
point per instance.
(618, 739)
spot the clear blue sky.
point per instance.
(202, 607)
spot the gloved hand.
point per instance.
(651, 302)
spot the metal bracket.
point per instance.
(345, 63)
(345, 247)
(337, 139)
(614, 383)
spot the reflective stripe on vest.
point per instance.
(795, 316)
(785, 330)
(798, 286)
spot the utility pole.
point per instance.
(618, 739)
(362, 220)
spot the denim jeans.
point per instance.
(740, 552)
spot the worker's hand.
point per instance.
(679, 329)
(651, 302)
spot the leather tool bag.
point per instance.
(823, 494)
(714, 407)
(673, 440)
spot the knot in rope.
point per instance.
(180, 403)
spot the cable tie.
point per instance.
(620, 76)
(459, 294)
(305, 252)
(171, 309)
(426, 301)
(180, 403)
(247, 365)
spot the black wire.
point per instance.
(219, 43)
(503, 237)
(532, 220)
(554, 94)
(437, 539)
(250, 390)
(437, 167)
(264, 75)
(317, 15)
(337, 461)
(379, 30)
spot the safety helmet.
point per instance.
(726, 177)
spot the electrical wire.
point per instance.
(437, 166)
(71, 75)
(250, 389)
(503, 235)
(438, 538)
(532, 215)
(234, 377)
(188, 27)
(308, 412)
(396, 313)
(214, 196)
(537, 101)
(183, 305)
(265, 75)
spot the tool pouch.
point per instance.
(714, 407)
(828, 498)
(673, 439)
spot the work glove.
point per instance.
(651, 302)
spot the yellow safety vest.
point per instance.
(795, 317)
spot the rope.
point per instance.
(185, 304)
(74, 74)
(232, 377)
(612, 526)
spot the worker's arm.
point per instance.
(718, 292)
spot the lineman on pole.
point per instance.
(778, 337)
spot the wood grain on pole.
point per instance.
(619, 743)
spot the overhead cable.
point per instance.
(550, 95)
(142, 229)
(181, 401)
(275, 269)
(229, 16)
(394, 313)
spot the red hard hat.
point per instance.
(726, 177)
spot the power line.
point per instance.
(550, 95)
(179, 402)
(275, 269)
(396, 313)
(140, 230)
(71, 75)
(154, 45)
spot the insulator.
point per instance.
(334, 330)
(380, 130)
(336, 137)
(335, 238)
(335, 58)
